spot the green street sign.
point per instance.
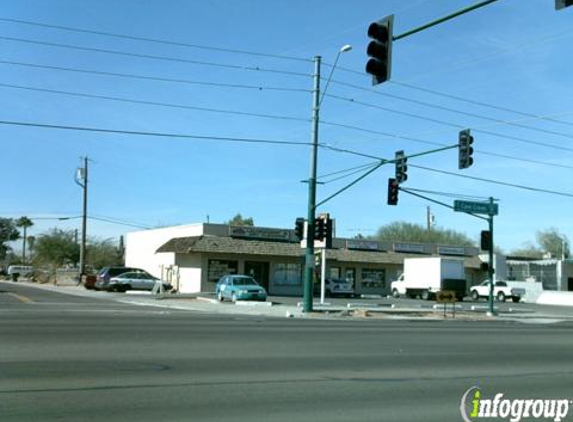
(476, 207)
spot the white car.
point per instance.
(335, 287)
(501, 291)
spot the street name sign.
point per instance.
(476, 207)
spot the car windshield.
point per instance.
(244, 281)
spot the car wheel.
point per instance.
(475, 296)
(501, 297)
(220, 297)
(234, 298)
(515, 299)
(395, 294)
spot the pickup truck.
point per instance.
(501, 291)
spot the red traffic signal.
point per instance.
(392, 192)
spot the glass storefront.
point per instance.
(373, 278)
(220, 267)
(287, 274)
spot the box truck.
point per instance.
(424, 277)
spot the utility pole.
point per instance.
(309, 256)
(491, 269)
(82, 180)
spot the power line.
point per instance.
(458, 126)
(151, 134)
(156, 40)
(496, 182)
(478, 103)
(439, 107)
(119, 222)
(154, 103)
(358, 170)
(362, 167)
(154, 78)
(382, 161)
(153, 57)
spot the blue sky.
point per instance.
(513, 55)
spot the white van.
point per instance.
(15, 271)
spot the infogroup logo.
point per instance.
(474, 406)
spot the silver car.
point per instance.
(135, 281)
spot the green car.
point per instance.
(239, 287)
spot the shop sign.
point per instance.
(364, 245)
(451, 250)
(259, 233)
(408, 247)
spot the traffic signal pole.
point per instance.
(309, 256)
(490, 269)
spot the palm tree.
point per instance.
(24, 222)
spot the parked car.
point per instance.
(106, 273)
(239, 287)
(335, 287)
(501, 291)
(15, 271)
(135, 280)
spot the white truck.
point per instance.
(502, 290)
(424, 277)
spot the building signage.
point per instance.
(259, 233)
(364, 245)
(408, 247)
(451, 250)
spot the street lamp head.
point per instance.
(345, 48)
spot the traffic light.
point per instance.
(380, 50)
(562, 4)
(392, 192)
(319, 228)
(485, 240)
(465, 150)
(299, 228)
(328, 233)
(323, 230)
(401, 167)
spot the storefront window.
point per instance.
(373, 279)
(350, 275)
(287, 274)
(334, 272)
(220, 267)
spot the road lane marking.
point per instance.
(21, 298)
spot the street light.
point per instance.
(345, 48)
(311, 210)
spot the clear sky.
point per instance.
(512, 60)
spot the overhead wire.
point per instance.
(496, 182)
(154, 57)
(497, 122)
(154, 40)
(151, 134)
(154, 103)
(474, 102)
(154, 78)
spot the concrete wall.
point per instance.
(140, 247)
(190, 272)
(556, 298)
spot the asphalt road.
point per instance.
(66, 358)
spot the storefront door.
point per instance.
(259, 271)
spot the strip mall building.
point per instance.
(193, 258)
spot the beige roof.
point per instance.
(229, 245)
